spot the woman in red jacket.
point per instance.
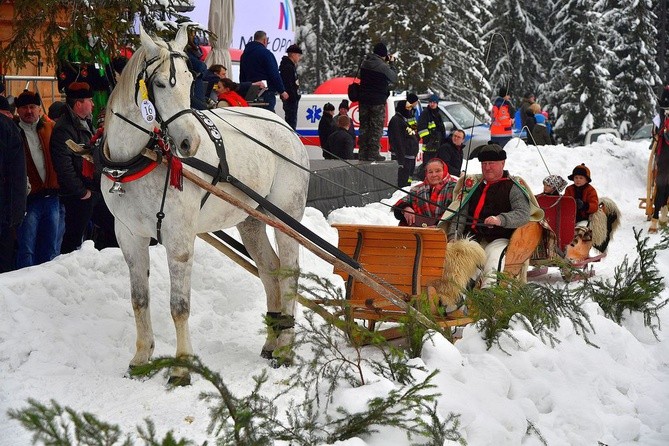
(228, 96)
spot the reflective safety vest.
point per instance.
(501, 120)
(431, 126)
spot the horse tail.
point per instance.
(604, 223)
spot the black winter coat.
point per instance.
(341, 144)
(451, 154)
(375, 78)
(291, 81)
(13, 176)
(325, 128)
(437, 136)
(403, 138)
(68, 165)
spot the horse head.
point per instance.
(154, 92)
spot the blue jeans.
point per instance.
(39, 234)
(269, 96)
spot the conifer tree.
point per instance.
(418, 39)
(464, 75)
(519, 46)
(582, 90)
(334, 39)
(634, 70)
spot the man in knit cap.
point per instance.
(39, 236)
(377, 72)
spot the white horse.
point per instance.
(162, 66)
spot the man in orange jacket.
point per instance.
(501, 128)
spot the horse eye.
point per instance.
(159, 84)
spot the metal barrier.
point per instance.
(46, 85)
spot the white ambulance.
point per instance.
(310, 111)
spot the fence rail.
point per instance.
(46, 85)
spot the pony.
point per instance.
(154, 89)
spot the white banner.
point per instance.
(275, 17)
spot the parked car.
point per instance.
(457, 115)
(644, 132)
(594, 134)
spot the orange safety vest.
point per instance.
(501, 120)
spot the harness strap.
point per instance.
(292, 223)
(328, 180)
(277, 321)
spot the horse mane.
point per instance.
(125, 90)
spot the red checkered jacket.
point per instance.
(428, 201)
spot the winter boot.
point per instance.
(653, 226)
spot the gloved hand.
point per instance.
(580, 205)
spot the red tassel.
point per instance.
(87, 169)
(176, 173)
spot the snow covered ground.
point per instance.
(67, 333)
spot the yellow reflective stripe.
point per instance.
(411, 121)
(424, 133)
(431, 125)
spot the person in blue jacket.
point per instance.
(258, 63)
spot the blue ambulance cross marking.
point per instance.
(314, 113)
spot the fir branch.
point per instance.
(635, 286)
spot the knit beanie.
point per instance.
(344, 104)
(380, 49)
(556, 182)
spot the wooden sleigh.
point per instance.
(407, 259)
(559, 230)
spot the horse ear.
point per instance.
(147, 42)
(181, 40)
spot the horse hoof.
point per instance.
(131, 373)
(266, 354)
(276, 363)
(179, 381)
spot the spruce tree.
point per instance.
(519, 46)
(634, 70)
(582, 95)
(464, 75)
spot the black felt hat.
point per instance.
(492, 152)
(27, 97)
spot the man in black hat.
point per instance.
(291, 82)
(377, 72)
(75, 175)
(490, 206)
(13, 186)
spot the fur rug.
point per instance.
(464, 261)
(601, 227)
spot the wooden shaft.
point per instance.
(397, 298)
